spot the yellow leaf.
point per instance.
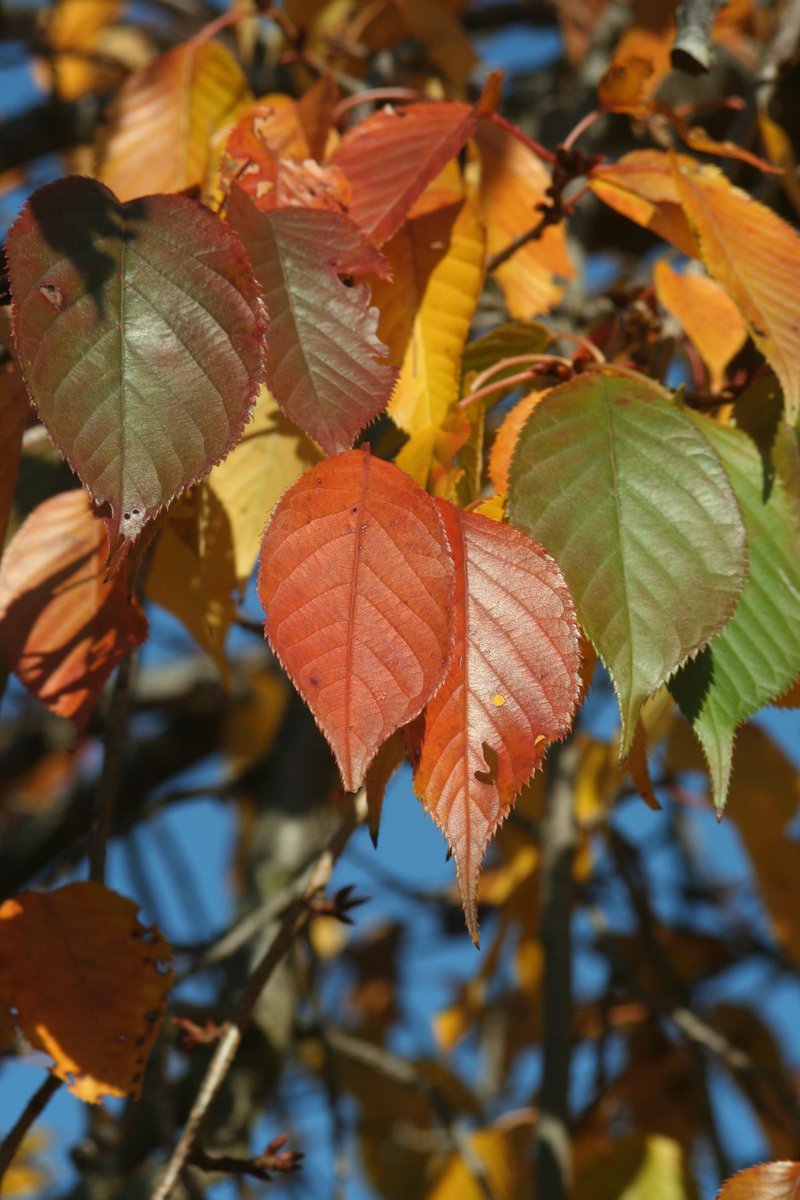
(504, 1155)
(624, 83)
(639, 1167)
(272, 454)
(513, 182)
(192, 572)
(641, 187)
(437, 262)
(755, 255)
(161, 122)
(72, 32)
(494, 508)
(25, 1177)
(85, 982)
(707, 314)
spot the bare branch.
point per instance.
(35, 1106)
(693, 51)
(232, 1031)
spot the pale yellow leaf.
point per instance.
(513, 182)
(639, 1167)
(437, 263)
(160, 124)
(755, 256)
(706, 313)
(272, 454)
(191, 573)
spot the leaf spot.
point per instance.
(497, 700)
(53, 295)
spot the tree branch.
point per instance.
(232, 1031)
(35, 1106)
(558, 840)
(693, 51)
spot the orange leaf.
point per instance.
(72, 32)
(708, 316)
(624, 83)
(642, 188)
(161, 120)
(62, 628)
(315, 110)
(513, 182)
(506, 439)
(356, 579)
(769, 1181)
(87, 983)
(392, 157)
(510, 690)
(755, 255)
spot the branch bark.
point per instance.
(693, 50)
(233, 1030)
(559, 833)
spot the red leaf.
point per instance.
(392, 157)
(63, 629)
(139, 330)
(322, 344)
(511, 688)
(14, 409)
(357, 580)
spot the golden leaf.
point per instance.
(272, 454)
(85, 982)
(72, 32)
(707, 314)
(162, 119)
(506, 438)
(755, 256)
(436, 259)
(513, 181)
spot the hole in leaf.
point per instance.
(490, 758)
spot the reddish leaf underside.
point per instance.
(768, 1181)
(356, 579)
(139, 331)
(511, 688)
(322, 344)
(62, 628)
(392, 157)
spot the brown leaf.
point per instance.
(85, 982)
(63, 629)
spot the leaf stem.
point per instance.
(585, 123)
(35, 1106)
(232, 1031)
(539, 150)
(558, 364)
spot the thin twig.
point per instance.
(558, 841)
(35, 1106)
(232, 1031)
(108, 785)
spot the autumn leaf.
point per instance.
(768, 1181)
(637, 1167)
(379, 773)
(87, 983)
(744, 667)
(14, 409)
(72, 33)
(63, 629)
(755, 256)
(356, 580)
(192, 572)
(271, 455)
(506, 439)
(139, 331)
(321, 365)
(436, 261)
(160, 122)
(708, 316)
(645, 522)
(513, 182)
(509, 340)
(391, 157)
(509, 692)
(641, 187)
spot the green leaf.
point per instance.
(617, 483)
(139, 330)
(505, 341)
(757, 655)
